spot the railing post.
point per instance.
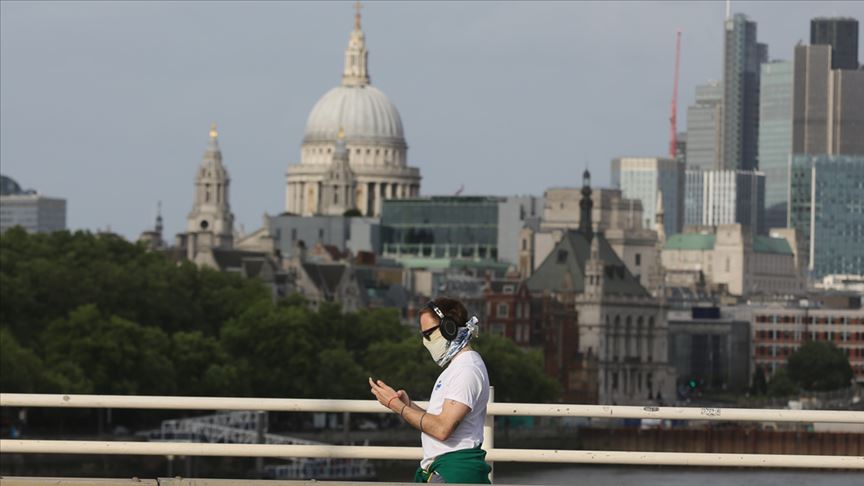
(489, 430)
(261, 427)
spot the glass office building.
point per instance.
(775, 138)
(842, 35)
(704, 120)
(716, 197)
(742, 56)
(441, 227)
(642, 177)
(827, 206)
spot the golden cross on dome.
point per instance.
(357, 7)
(213, 132)
(341, 134)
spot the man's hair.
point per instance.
(452, 308)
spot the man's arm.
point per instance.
(440, 426)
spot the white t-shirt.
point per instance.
(465, 380)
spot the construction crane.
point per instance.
(673, 117)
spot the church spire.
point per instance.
(211, 210)
(158, 228)
(356, 56)
(585, 225)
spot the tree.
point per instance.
(22, 370)
(275, 348)
(518, 376)
(403, 364)
(203, 368)
(819, 366)
(760, 384)
(781, 385)
(115, 355)
(340, 376)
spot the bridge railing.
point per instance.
(415, 453)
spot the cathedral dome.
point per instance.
(363, 111)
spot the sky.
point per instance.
(108, 104)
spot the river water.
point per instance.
(667, 476)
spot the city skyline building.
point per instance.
(742, 57)
(211, 208)
(29, 209)
(718, 197)
(441, 227)
(642, 178)
(705, 127)
(828, 108)
(620, 353)
(841, 33)
(826, 206)
(775, 138)
(361, 117)
(729, 258)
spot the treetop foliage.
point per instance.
(85, 313)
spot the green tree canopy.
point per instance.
(116, 355)
(819, 366)
(517, 375)
(781, 385)
(85, 313)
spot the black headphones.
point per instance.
(448, 326)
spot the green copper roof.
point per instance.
(690, 241)
(766, 244)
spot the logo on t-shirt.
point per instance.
(438, 385)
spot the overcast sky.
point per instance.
(108, 104)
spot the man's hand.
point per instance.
(387, 396)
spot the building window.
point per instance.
(638, 259)
(503, 310)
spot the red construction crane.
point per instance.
(673, 118)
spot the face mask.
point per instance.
(436, 346)
(442, 350)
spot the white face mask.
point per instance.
(436, 345)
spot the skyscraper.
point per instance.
(642, 178)
(828, 107)
(842, 35)
(29, 209)
(716, 197)
(705, 127)
(827, 208)
(775, 138)
(742, 57)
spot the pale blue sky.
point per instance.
(108, 104)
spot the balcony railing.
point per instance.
(414, 453)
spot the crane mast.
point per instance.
(673, 117)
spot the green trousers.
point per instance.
(465, 466)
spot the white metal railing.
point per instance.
(414, 453)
